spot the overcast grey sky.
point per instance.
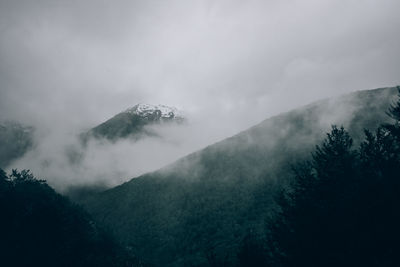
(83, 61)
(69, 65)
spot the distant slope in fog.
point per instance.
(199, 209)
(15, 140)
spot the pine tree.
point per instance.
(311, 227)
(380, 191)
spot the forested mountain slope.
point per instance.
(197, 211)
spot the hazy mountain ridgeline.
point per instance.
(131, 122)
(198, 210)
(15, 140)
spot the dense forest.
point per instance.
(39, 227)
(342, 208)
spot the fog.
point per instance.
(60, 157)
(66, 66)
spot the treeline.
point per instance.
(342, 208)
(39, 227)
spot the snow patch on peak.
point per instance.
(148, 109)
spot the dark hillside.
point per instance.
(198, 210)
(39, 227)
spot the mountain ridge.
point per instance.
(208, 201)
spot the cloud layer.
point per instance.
(69, 65)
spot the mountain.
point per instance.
(133, 121)
(198, 210)
(15, 140)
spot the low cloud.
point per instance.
(61, 159)
(66, 66)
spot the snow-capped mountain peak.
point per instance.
(132, 122)
(148, 109)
